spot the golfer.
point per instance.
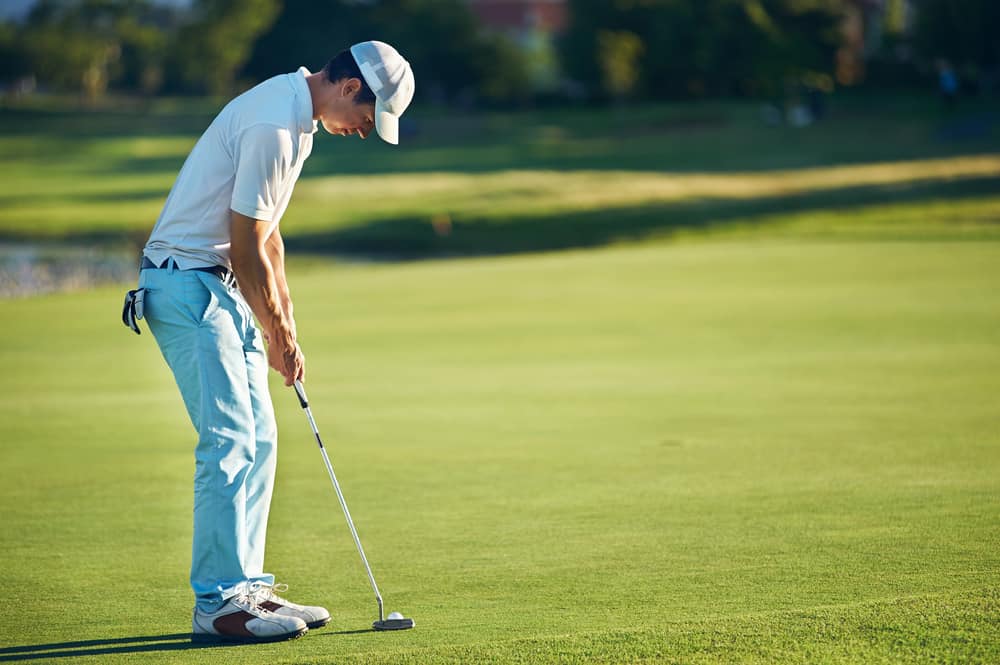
(213, 263)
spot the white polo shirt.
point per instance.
(248, 160)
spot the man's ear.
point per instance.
(350, 87)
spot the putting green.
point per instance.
(778, 450)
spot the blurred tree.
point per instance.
(791, 43)
(618, 53)
(450, 55)
(90, 45)
(500, 74)
(541, 59)
(699, 47)
(966, 33)
(307, 33)
(74, 46)
(14, 59)
(211, 47)
(446, 47)
(145, 35)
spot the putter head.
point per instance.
(393, 624)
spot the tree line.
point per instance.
(625, 49)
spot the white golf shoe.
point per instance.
(242, 619)
(267, 598)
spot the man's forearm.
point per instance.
(256, 279)
(275, 250)
(259, 283)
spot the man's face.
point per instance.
(343, 117)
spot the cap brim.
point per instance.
(386, 124)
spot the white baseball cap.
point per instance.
(391, 79)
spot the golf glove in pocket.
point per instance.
(132, 310)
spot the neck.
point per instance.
(316, 83)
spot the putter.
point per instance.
(396, 621)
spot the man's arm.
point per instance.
(275, 248)
(262, 283)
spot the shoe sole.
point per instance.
(208, 638)
(318, 624)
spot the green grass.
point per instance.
(773, 451)
(749, 415)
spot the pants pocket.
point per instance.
(198, 298)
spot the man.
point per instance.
(213, 263)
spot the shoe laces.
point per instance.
(260, 592)
(257, 593)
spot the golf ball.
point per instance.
(395, 615)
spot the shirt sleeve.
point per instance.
(263, 161)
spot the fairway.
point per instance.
(778, 449)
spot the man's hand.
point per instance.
(287, 361)
(286, 358)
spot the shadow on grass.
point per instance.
(117, 645)
(73, 124)
(423, 238)
(716, 137)
(123, 645)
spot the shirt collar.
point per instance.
(303, 101)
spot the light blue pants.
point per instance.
(208, 337)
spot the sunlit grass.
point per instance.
(577, 189)
(344, 200)
(775, 452)
(951, 218)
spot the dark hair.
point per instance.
(344, 66)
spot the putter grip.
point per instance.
(301, 392)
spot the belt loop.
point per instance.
(170, 265)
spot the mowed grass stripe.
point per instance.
(517, 191)
(125, 204)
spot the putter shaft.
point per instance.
(303, 400)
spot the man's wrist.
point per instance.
(281, 332)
